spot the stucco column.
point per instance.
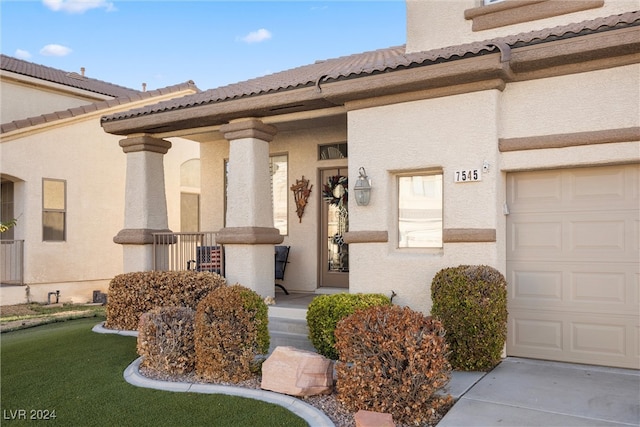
(249, 235)
(145, 209)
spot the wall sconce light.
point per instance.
(362, 189)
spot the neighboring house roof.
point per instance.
(96, 106)
(374, 62)
(71, 79)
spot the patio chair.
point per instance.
(281, 257)
(209, 258)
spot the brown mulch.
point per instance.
(16, 310)
(24, 310)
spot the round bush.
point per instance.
(325, 311)
(393, 360)
(231, 330)
(166, 340)
(471, 302)
(132, 294)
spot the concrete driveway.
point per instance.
(526, 392)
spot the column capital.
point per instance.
(145, 143)
(250, 128)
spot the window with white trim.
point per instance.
(420, 210)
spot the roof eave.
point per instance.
(325, 95)
(218, 113)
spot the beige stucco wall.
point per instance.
(32, 97)
(93, 166)
(461, 132)
(433, 24)
(457, 132)
(591, 101)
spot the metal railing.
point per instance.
(187, 251)
(12, 262)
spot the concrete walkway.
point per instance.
(526, 392)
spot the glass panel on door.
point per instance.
(335, 222)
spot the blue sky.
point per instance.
(213, 43)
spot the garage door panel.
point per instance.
(598, 339)
(596, 186)
(531, 191)
(593, 236)
(528, 285)
(607, 235)
(600, 287)
(533, 236)
(573, 268)
(602, 188)
(530, 333)
(574, 287)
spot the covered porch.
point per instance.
(249, 168)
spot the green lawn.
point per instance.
(67, 368)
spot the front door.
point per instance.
(334, 253)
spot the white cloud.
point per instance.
(22, 54)
(257, 36)
(78, 6)
(55, 50)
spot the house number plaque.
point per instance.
(467, 175)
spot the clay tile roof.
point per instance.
(374, 62)
(96, 106)
(71, 79)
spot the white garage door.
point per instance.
(573, 265)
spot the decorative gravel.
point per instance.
(328, 404)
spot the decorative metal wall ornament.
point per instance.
(301, 191)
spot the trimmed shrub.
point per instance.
(471, 302)
(325, 311)
(132, 294)
(166, 340)
(231, 331)
(393, 360)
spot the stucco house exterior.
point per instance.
(504, 133)
(63, 179)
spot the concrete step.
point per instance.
(285, 331)
(287, 312)
(292, 326)
(290, 340)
